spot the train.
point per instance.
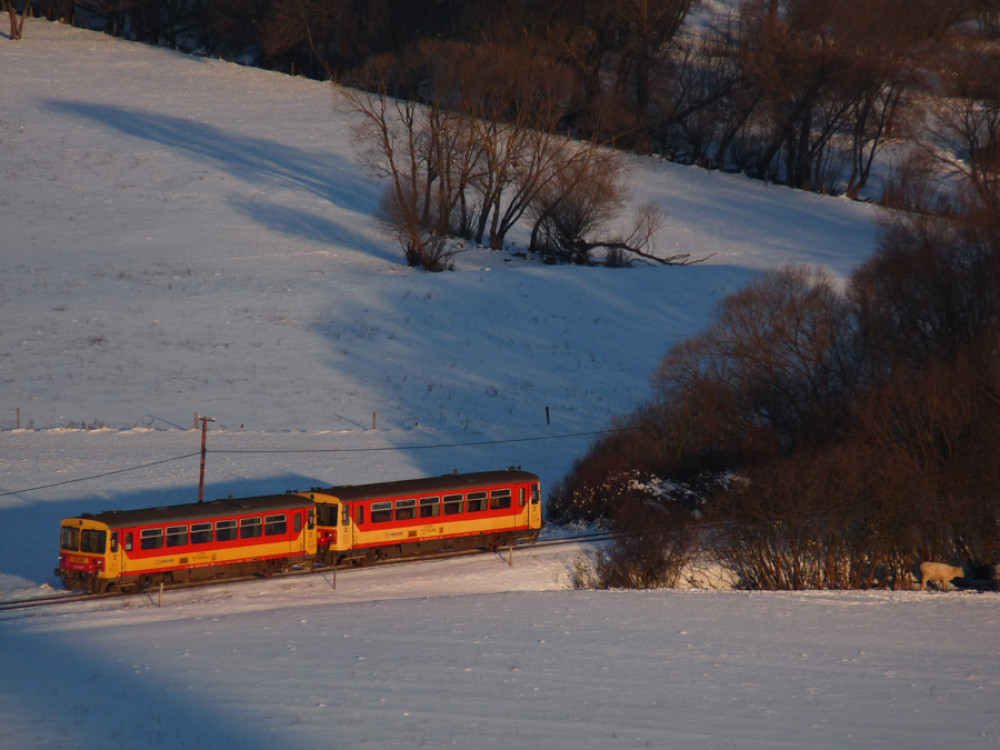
(128, 551)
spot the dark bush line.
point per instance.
(863, 426)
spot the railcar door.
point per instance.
(535, 506)
(305, 528)
(113, 559)
(345, 536)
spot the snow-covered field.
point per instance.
(181, 234)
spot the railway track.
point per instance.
(14, 605)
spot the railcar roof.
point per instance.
(199, 511)
(429, 485)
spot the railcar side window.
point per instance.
(499, 499)
(201, 533)
(406, 509)
(177, 536)
(345, 515)
(250, 528)
(225, 531)
(298, 523)
(452, 504)
(381, 512)
(275, 525)
(535, 494)
(359, 516)
(476, 502)
(520, 498)
(128, 541)
(151, 539)
(430, 507)
(70, 538)
(114, 542)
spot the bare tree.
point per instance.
(776, 349)
(649, 26)
(483, 148)
(964, 133)
(412, 146)
(16, 23)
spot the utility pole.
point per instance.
(204, 436)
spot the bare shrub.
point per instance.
(839, 517)
(583, 197)
(931, 291)
(582, 575)
(769, 370)
(653, 533)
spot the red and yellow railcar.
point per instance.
(364, 523)
(130, 549)
(127, 550)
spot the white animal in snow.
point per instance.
(935, 571)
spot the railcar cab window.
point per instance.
(177, 536)
(225, 531)
(476, 502)
(499, 499)
(381, 512)
(70, 538)
(430, 507)
(201, 533)
(151, 539)
(452, 504)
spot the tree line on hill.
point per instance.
(819, 437)
(482, 115)
(802, 92)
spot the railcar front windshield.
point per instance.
(328, 514)
(94, 541)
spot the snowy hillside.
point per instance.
(183, 234)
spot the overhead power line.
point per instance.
(98, 476)
(315, 450)
(417, 447)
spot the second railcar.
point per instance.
(365, 523)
